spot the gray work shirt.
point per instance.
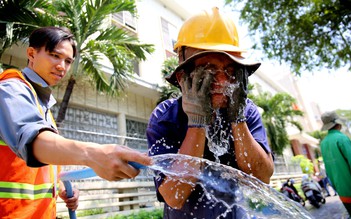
(20, 118)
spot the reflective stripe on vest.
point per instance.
(25, 191)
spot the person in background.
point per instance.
(213, 119)
(336, 153)
(324, 179)
(290, 183)
(30, 145)
(291, 189)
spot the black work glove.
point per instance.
(237, 98)
(196, 99)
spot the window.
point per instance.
(126, 19)
(169, 34)
(88, 125)
(136, 135)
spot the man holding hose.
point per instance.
(29, 141)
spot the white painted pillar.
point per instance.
(121, 127)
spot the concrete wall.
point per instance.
(129, 103)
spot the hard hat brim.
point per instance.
(250, 65)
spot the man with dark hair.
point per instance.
(336, 152)
(29, 141)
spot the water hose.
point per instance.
(67, 176)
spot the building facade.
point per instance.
(93, 116)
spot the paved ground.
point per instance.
(332, 209)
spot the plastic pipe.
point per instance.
(67, 176)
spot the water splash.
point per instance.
(218, 136)
(229, 186)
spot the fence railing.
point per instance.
(112, 198)
(277, 180)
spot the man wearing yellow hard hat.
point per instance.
(213, 119)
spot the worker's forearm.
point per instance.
(192, 145)
(51, 148)
(194, 142)
(109, 161)
(251, 157)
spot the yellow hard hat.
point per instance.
(209, 30)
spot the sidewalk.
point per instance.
(332, 209)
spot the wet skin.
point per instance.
(222, 68)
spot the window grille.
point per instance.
(137, 133)
(88, 125)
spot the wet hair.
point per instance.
(49, 37)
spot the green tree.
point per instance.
(318, 134)
(305, 163)
(304, 34)
(278, 113)
(169, 90)
(97, 42)
(345, 116)
(18, 18)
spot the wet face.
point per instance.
(222, 68)
(51, 66)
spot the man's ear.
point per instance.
(31, 53)
(179, 75)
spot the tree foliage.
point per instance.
(18, 18)
(278, 114)
(318, 134)
(305, 34)
(99, 44)
(169, 90)
(143, 214)
(305, 163)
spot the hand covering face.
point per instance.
(238, 95)
(196, 100)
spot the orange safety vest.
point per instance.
(25, 192)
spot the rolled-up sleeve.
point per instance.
(164, 134)
(255, 125)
